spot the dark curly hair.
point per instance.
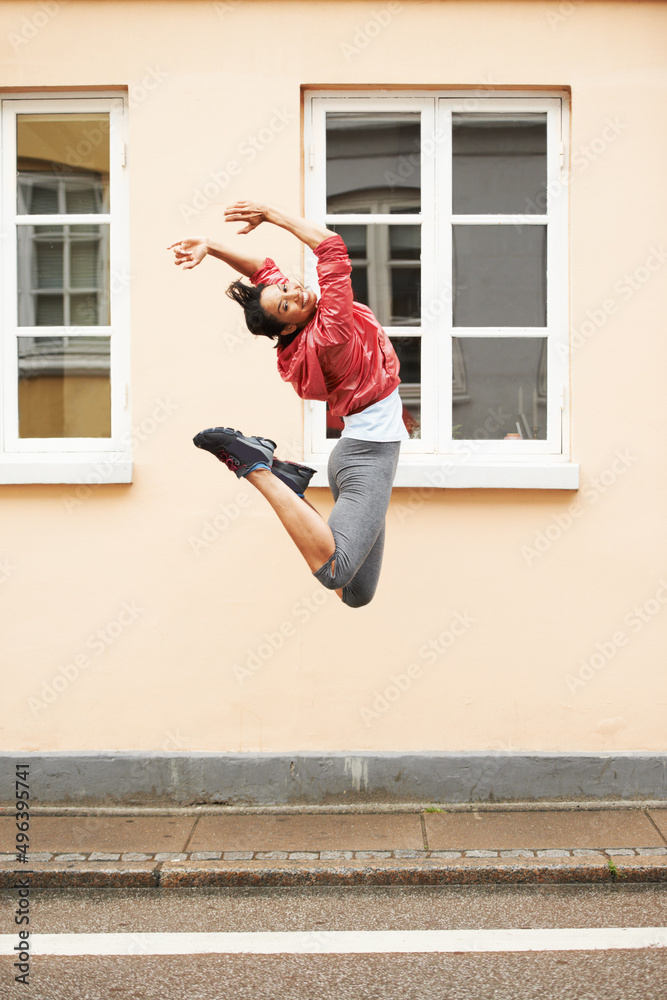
(258, 321)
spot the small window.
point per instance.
(65, 316)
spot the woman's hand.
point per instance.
(189, 252)
(250, 212)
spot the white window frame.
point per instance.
(66, 460)
(437, 459)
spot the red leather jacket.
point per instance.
(342, 355)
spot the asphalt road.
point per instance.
(625, 974)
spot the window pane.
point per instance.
(405, 242)
(354, 238)
(62, 163)
(70, 259)
(49, 310)
(500, 387)
(499, 275)
(48, 263)
(64, 387)
(373, 163)
(405, 296)
(386, 270)
(499, 164)
(409, 354)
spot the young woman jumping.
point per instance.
(330, 349)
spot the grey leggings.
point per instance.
(361, 475)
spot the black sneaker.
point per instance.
(296, 476)
(237, 452)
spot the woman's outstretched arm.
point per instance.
(191, 251)
(252, 214)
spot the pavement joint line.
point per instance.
(588, 805)
(424, 834)
(655, 825)
(192, 833)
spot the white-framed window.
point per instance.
(64, 265)
(454, 211)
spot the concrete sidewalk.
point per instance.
(408, 846)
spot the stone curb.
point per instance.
(380, 872)
(358, 808)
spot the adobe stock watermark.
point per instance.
(409, 164)
(225, 7)
(175, 741)
(93, 647)
(238, 337)
(88, 315)
(429, 652)
(555, 15)
(248, 150)
(272, 641)
(134, 438)
(590, 492)
(624, 290)
(439, 478)
(140, 90)
(7, 568)
(214, 527)
(582, 158)
(635, 620)
(94, 136)
(31, 24)
(370, 30)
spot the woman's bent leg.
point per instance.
(361, 588)
(361, 475)
(307, 529)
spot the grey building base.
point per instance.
(266, 779)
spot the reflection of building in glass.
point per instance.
(499, 164)
(373, 169)
(63, 275)
(500, 387)
(68, 191)
(63, 266)
(374, 156)
(64, 387)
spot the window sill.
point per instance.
(82, 470)
(440, 474)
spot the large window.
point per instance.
(453, 212)
(64, 311)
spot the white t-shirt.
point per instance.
(381, 421)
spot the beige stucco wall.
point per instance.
(112, 576)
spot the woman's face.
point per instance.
(290, 303)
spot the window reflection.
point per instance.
(64, 387)
(499, 164)
(372, 159)
(63, 275)
(500, 388)
(62, 164)
(500, 275)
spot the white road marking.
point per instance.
(343, 942)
